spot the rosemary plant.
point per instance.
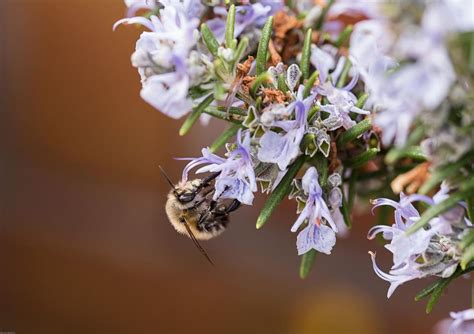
(327, 103)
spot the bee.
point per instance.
(192, 211)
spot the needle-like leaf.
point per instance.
(224, 137)
(229, 31)
(209, 39)
(192, 118)
(307, 261)
(354, 132)
(280, 192)
(306, 54)
(263, 46)
(466, 190)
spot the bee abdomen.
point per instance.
(213, 224)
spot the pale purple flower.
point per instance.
(315, 208)
(168, 93)
(459, 14)
(463, 322)
(173, 34)
(409, 271)
(421, 85)
(237, 177)
(162, 56)
(403, 246)
(410, 90)
(370, 9)
(370, 43)
(323, 59)
(316, 235)
(193, 8)
(405, 212)
(341, 103)
(283, 148)
(247, 18)
(432, 250)
(320, 238)
(133, 6)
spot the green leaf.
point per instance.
(319, 23)
(241, 49)
(448, 203)
(355, 132)
(263, 46)
(352, 189)
(306, 54)
(467, 240)
(226, 116)
(437, 292)
(192, 118)
(363, 158)
(344, 36)
(312, 112)
(282, 83)
(361, 101)
(229, 31)
(280, 192)
(258, 82)
(470, 208)
(345, 72)
(209, 39)
(345, 211)
(412, 152)
(436, 289)
(467, 256)
(224, 137)
(445, 172)
(309, 84)
(307, 261)
(321, 163)
(427, 291)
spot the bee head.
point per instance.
(185, 197)
(187, 192)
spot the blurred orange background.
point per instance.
(85, 245)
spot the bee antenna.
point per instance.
(197, 244)
(166, 176)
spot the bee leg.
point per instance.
(232, 206)
(208, 179)
(197, 204)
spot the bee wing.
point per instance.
(196, 242)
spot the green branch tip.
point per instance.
(309, 84)
(193, 117)
(435, 210)
(354, 132)
(229, 31)
(306, 54)
(224, 137)
(209, 39)
(261, 59)
(307, 261)
(280, 192)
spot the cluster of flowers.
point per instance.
(430, 251)
(342, 87)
